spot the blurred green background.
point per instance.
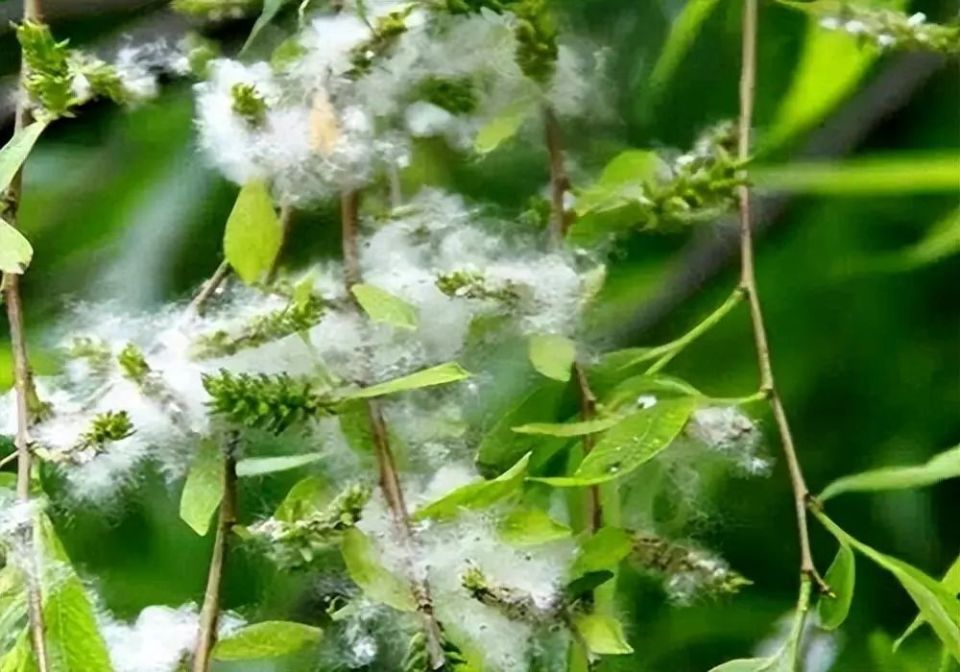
(119, 205)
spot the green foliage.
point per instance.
(384, 307)
(270, 10)
(530, 526)
(503, 126)
(248, 103)
(203, 488)
(841, 577)
(473, 285)
(253, 234)
(261, 466)
(569, 429)
(376, 582)
(477, 495)
(602, 635)
(417, 658)
(602, 550)
(940, 467)
(387, 29)
(15, 250)
(552, 355)
(133, 364)
(266, 640)
(441, 374)
(456, 95)
(514, 604)
(106, 427)
(536, 34)
(216, 9)
(712, 577)
(16, 151)
(684, 30)
(272, 403)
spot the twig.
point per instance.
(210, 287)
(559, 180)
(286, 225)
(226, 519)
(23, 378)
(748, 283)
(388, 477)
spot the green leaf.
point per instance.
(841, 578)
(530, 526)
(603, 635)
(902, 173)
(569, 429)
(306, 495)
(253, 233)
(503, 127)
(630, 444)
(15, 250)
(258, 466)
(937, 606)
(74, 643)
(266, 640)
(16, 151)
(602, 550)
(587, 583)
(951, 583)
(620, 183)
(477, 495)
(746, 665)
(436, 375)
(203, 489)
(552, 355)
(270, 9)
(940, 467)
(683, 33)
(382, 306)
(370, 575)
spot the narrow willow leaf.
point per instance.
(259, 466)
(841, 577)
(19, 658)
(15, 250)
(306, 495)
(253, 233)
(503, 127)
(383, 306)
(587, 583)
(16, 151)
(450, 372)
(568, 429)
(13, 603)
(683, 32)
(203, 489)
(746, 665)
(937, 606)
(270, 9)
(477, 495)
(630, 444)
(552, 355)
(602, 550)
(951, 583)
(893, 174)
(370, 575)
(939, 468)
(530, 526)
(74, 643)
(620, 182)
(602, 634)
(658, 386)
(266, 640)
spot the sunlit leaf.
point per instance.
(747, 665)
(621, 181)
(630, 444)
(841, 578)
(568, 429)
(384, 307)
(503, 127)
(270, 9)
(253, 233)
(370, 575)
(603, 635)
(203, 489)
(683, 32)
(16, 151)
(893, 174)
(450, 372)
(15, 250)
(602, 550)
(477, 495)
(951, 583)
(939, 468)
(530, 526)
(552, 355)
(308, 494)
(266, 640)
(260, 466)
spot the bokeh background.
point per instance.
(120, 206)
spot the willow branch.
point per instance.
(748, 283)
(210, 287)
(389, 479)
(23, 378)
(226, 519)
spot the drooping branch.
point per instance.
(226, 519)
(748, 283)
(23, 378)
(389, 478)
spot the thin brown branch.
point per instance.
(286, 225)
(23, 379)
(226, 519)
(389, 478)
(748, 282)
(210, 287)
(588, 411)
(559, 180)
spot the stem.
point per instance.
(748, 283)
(286, 225)
(209, 288)
(800, 617)
(23, 378)
(227, 517)
(389, 478)
(559, 180)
